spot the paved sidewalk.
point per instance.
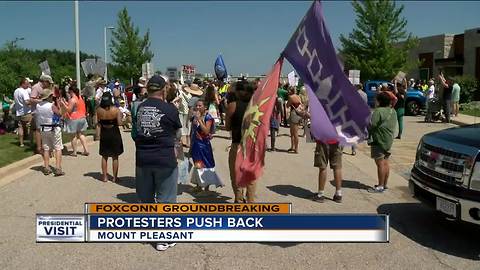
(463, 119)
(418, 235)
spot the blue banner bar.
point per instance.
(253, 222)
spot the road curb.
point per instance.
(28, 162)
(459, 123)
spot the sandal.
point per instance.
(73, 154)
(86, 154)
(58, 172)
(46, 171)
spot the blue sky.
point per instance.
(249, 34)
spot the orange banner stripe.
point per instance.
(188, 208)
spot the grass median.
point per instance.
(472, 108)
(11, 151)
(471, 112)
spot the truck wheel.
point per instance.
(413, 108)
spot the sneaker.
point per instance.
(317, 198)
(377, 189)
(337, 198)
(58, 172)
(204, 193)
(384, 187)
(197, 189)
(164, 246)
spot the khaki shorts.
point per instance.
(377, 152)
(25, 119)
(52, 139)
(328, 153)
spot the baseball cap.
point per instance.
(106, 100)
(156, 83)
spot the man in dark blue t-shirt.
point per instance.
(156, 165)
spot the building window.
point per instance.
(424, 74)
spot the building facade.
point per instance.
(455, 55)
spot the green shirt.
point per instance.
(456, 92)
(282, 93)
(383, 125)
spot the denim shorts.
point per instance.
(376, 152)
(156, 184)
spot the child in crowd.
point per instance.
(126, 115)
(201, 149)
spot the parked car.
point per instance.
(446, 172)
(414, 103)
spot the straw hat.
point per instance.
(101, 82)
(46, 93)
(194, 89)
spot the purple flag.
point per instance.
(337, 110)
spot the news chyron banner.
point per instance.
(261, 222)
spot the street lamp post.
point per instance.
(77, 44)
(17, 39)
(105, 46)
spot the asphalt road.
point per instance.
(419, 238)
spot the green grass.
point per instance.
(471, 112)
(10, 151)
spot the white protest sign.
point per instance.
(354, 76)
(292, 79)
(400, 76)
(45, 68)
(100, 67)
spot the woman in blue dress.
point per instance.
(203, 125)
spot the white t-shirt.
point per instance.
(431, 92)
(44, 115)
(21, 96)
(363, 95)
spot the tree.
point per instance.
(17, 62)
(129, 50)
(378, 46)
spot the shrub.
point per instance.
(469, 88)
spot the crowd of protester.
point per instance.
(173, 125)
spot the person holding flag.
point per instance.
(238, 101)
(221, 74)
(338, 115)
(249, 155)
